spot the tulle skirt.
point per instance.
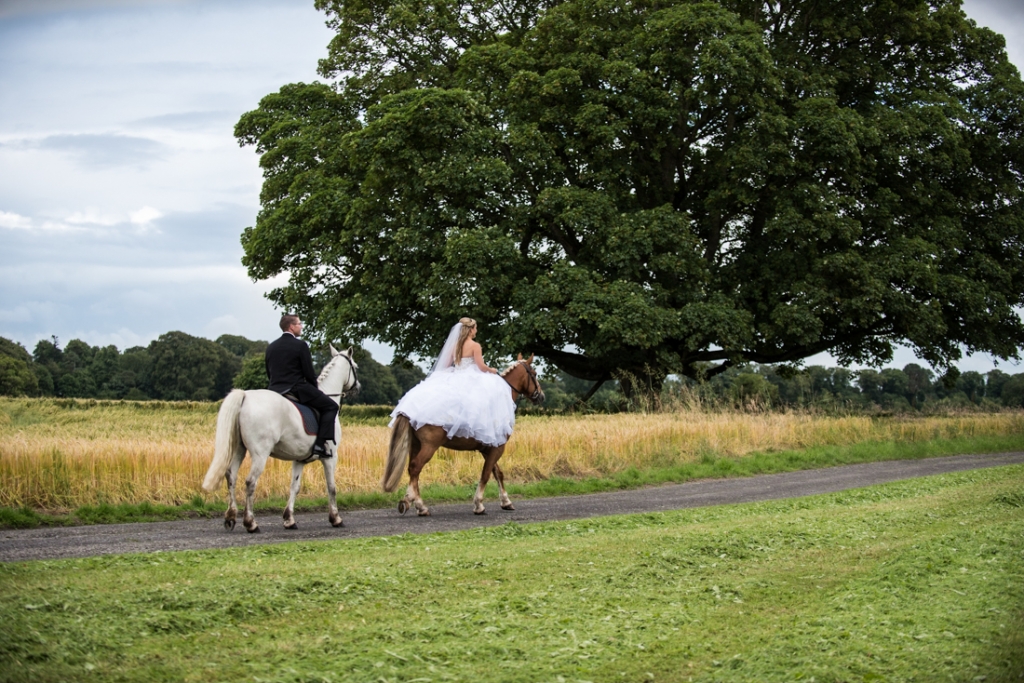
(465, 402)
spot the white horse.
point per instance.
(267, 424)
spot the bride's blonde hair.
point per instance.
(468, 325)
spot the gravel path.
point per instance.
(201, 534)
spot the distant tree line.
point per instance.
(174, 367)
(914, 388)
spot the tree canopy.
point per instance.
(16, 376)
(650, 187)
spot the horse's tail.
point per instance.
(228, 439)
(398, 453)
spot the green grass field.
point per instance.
(914, 581)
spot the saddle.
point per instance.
(310, 417)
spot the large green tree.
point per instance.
(651, 187)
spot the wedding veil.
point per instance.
(447, 357)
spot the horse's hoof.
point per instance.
(402, 507)
(479, 512)
(508, 507)
(289, 527)
(229, 524)
(338, 524)
(254, 530)
(423, 513)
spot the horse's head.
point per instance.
(523, 379)
(339, 378)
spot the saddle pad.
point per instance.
(309, 418)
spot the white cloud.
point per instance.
(93, 216)
(62, 227)
(89, 220)
(145, 215)
(13, 221)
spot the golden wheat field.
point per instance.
(59, 454)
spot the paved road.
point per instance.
(201, 534)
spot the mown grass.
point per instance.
(920, 580)
(73, 462)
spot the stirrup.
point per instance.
(317, 454)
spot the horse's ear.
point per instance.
(520, 357)
(349, 352)
(530, 362)
(334, 351)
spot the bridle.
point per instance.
(532, 375)
(352, 375)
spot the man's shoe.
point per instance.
(321, 453)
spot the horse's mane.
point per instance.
(511, 367)
(323, 372)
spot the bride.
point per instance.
(462, 394)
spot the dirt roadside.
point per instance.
(204, 534)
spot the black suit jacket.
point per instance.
(289, 362)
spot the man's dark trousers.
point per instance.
(311, 396)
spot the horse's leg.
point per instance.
(491, 455)
(259, 461)
(332, 491)
(231, 476)
(499, 476)
(412, 492)
(289, 511)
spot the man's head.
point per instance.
(291, 323)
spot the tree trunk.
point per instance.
(641, 387)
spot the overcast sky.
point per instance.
(122, 190)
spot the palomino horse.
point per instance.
(417, 447)
(268, 424)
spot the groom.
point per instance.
(290, 369)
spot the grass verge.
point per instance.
(709, 466)
(919, 580)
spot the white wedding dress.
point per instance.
(465, 401)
